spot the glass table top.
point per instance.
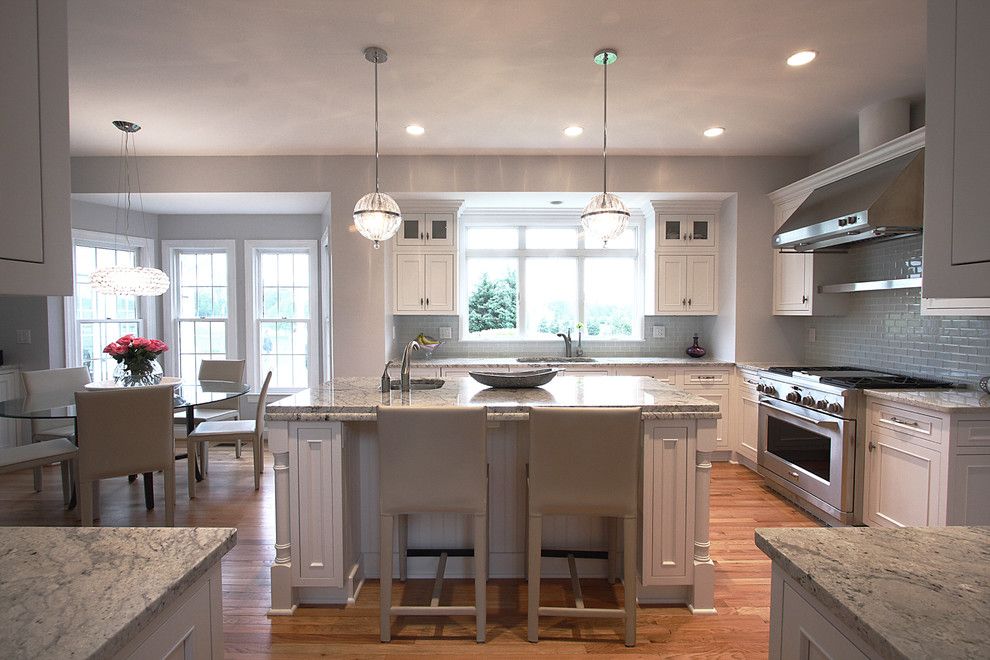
(62, 403)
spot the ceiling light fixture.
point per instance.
(605, 216)
(128, 280)
(415, 129)
(802, 57)
(573, 131)
(376, 215)
(714, 131)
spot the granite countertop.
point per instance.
(946, 401)
(598, 361)
(357, 399)
(79, 592)
(909, 593)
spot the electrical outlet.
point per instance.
(811, 334)
(23, 336)
(659, 331)
(444, 332)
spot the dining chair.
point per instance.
(231, 371)
(43, 382)
(36, 454)
(431, 460)
(248, 430)
(121, 432)
(603, 483)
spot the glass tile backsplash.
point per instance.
(885, 329)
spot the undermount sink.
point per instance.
(553, 359)
(419, 383)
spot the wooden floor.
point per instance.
(740, 503)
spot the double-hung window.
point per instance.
(531, 278)
(283, 334)
(93, 319)
(199, 307)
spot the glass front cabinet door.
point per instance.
(684, 230)
(426, 230)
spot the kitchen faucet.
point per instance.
(567, 342)
(406, 354)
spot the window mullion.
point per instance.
(580, 289)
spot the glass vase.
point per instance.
(138, 373)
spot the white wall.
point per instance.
(359, 310)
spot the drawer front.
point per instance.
(664, 375)
(973, 433)
(907, 421)
(747, 380)
(696, 377)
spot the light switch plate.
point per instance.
(659, 331)
(445, 332)
(23, 336)
(811, 334)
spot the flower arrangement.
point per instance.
(136, 359)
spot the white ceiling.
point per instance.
(242, 203)
(237, 77)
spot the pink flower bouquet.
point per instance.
(136, 356)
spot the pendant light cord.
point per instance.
(605, 129)
(376, 124)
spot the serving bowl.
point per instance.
(515, 380)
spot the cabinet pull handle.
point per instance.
(427, 302)
(689, 302)
(872, 446)
(684, 237)
(794, 474)
(683, 301)
(420, 302)
(804, 299)
(420, 235)
(902, 422)
(751, 382)
(427, 235)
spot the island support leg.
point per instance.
(703, 598)
(282, 601)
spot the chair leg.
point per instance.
(85, 503)
(385, 572)
(611, 526)
(237, 448)
(480, 574)
(37, 479)
(191, 453)
(204, 458)
(66, 482)
(533, 576)
(403, 525)
(629, 577)
(170, 494)
(255, 462)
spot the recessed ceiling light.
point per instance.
(415, 129)
(573, 131)
(714, 131)
(802, 57)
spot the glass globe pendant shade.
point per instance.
(129, 281)
(605, 217)
(377, 217)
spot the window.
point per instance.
(283, 332)
(199, 305)
(533, 278)
(93, 319)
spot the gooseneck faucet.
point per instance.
(406, 354)
(567, 342)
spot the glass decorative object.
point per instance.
(138, 373)
(605, 217)
(695, 350)
(129, 281)
(377, 217)
(137, 360)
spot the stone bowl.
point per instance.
(515, 380)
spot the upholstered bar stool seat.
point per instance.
(584, 461)
(432, 460)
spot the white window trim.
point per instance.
(522, 218)
(170, 322)
(252, 303)
(147, 310)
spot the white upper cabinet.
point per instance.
(425, 258)
(686, 257)
(671, 284)
(957, 159)
(439, 279)
(36, 250)
(683, 230)
(427, 230)
(409, 284)
(686, 284)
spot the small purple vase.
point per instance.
(694, 350)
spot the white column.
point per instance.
(282, 596)
(703, 598)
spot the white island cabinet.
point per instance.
(326, 488)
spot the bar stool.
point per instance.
(584, 462)
(432, 460)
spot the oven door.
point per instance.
(809, 453)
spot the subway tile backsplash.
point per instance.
(885, 329)
(679, 331)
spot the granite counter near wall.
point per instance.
(678, 331)
(885, 329)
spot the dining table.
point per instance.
(61, 404)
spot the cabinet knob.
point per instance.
(872, 446)
(689, 302)
(804, 299)
(427, 235)
(683, 301)
(420, 235)
(427, 302)
(421, 302)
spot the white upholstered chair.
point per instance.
(238, 430)
(53, 380)
(125, 431)
(432, 460)
(603, 483)
(231, 371)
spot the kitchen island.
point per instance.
(325, 446)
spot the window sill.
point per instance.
(547, 340)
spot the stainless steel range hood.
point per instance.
(885, 200)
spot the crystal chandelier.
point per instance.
(605, 216)
(376, 215)
(127, 280)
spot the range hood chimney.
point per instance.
(880, 202)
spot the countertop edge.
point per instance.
(631, 361)
(917, 399)
(508, 416)
(135, 626)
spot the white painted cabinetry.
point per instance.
(666, 475)
(712, 384)
(926, 468)
(36, 250)
(10, 388)
(428, 230)
(745, 416)
(424, 271)
(686, 257)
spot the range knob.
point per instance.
(760, 387)
(835, 407)
(808, 400)
(770, 390)
(794, 397)
(822, 404)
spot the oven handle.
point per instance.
(797, 411)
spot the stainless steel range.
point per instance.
(812, 430)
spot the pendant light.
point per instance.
(376, 215)
(605, 216)
(128, 280)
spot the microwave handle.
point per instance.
(771, 403)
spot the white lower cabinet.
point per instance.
(666, 486)
(902, 482)
(744, 415)
(317, 505)
(712, 384)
